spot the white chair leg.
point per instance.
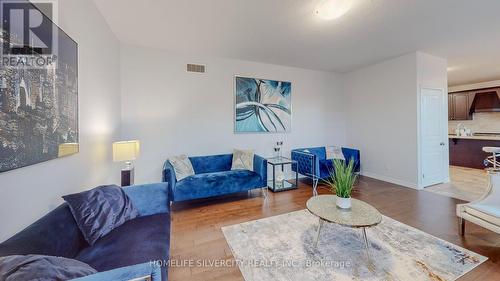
(264, 192)
(315, 186)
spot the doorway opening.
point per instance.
(473, 123)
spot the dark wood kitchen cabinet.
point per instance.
(459, 105)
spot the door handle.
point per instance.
(442, 144)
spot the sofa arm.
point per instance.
(354, 154)
(307, 164)
(139, 272)
(149, 199)
(168, 176)
(260, 167)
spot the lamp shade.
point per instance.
(126, 150)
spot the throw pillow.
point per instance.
(100, 210)
(334, 152)
(182, 166)
(43, 268)
(242, 160)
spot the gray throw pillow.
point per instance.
(42, 268)
(182, 166)
(334, 152)
(100, 210)
(242, 159)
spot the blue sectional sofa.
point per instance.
(312, 162)
(214, 177)
(130, 251)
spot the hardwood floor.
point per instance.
(196, 227)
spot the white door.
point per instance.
(433, 145)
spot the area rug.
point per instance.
(281, 248)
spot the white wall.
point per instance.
(382, 119)
(384, 112)
(172, 111)
(432, 74)
(28, 193)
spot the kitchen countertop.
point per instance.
(492, 137)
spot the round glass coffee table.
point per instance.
(360, 215)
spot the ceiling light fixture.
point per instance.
(332, 9)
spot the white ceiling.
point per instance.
(287, 32)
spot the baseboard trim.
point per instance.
(390, 180)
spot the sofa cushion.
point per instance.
(149, 199)
(326, 166)
(214, 184)
(42, 268)
(55, 234)
(100, 210)
(137, 241)
(211, 163)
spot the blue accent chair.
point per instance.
(313, 164)
(214, 177)
(136, 249)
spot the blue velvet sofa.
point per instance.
(214, 177)
(138, 248)
(312, 162)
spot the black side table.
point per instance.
(282, 185)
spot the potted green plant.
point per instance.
(341, 181)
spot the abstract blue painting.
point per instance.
(262, 106)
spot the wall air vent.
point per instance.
(199, 68)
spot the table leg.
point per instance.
(367, 246)
(274, 178)
(296, 175)
(318, 233)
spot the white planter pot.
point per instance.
(343, 203)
